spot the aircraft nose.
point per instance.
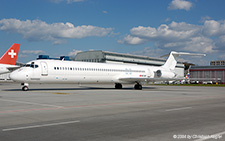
(16, 76)
(13, 76)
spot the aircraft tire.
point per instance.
(118, 86)
(25, 88)
(138, 87)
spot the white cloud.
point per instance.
(214, 28)
(180, 4)
(222, 57)
(26, 53)
(33, 52)
(167, 20)
(207, 38)
(205, 18)
(220, 43)
(199, 44)
(131, 40)
(105, 12)
(38, 30)
(150, 51)
(172, 32)
(74, 52)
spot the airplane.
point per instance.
(8, 60)
(74, 72)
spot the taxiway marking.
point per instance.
(32, 103)
(38, 126)
(177, 109)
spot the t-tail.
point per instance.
(10, 55)
(171, 62)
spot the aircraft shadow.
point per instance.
(80, 88)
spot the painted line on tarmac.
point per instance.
(178, 109)
(81, 106)
(214, 136)
(31, 103)
(39, 126)
(55, 107)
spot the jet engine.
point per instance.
(164, 74)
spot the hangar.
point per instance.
(215, 74)
(112, 57)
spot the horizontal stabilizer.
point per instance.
(171, 62)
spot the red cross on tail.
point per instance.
(10, 55)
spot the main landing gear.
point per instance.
(136, 86)
(25, 86)
(118, 86)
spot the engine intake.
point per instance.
(164, 74)
(158, 73)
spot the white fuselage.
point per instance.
(58, 71)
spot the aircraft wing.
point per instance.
(147, 79)
(12, 68)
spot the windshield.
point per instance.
(32, 65)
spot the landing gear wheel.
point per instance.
(25, 88)
(138, 87)
(118, 86)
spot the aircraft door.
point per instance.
(36, 72)
(44, 69)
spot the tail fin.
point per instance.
(10, 55)
(171, 62)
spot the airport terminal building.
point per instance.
(112, 57)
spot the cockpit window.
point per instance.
(31, 65)
(27, 65)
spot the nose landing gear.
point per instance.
(25, 86)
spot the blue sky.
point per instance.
(142, 27)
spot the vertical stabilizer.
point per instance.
(171, 62)
(10, 55)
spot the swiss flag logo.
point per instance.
(11, 55)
